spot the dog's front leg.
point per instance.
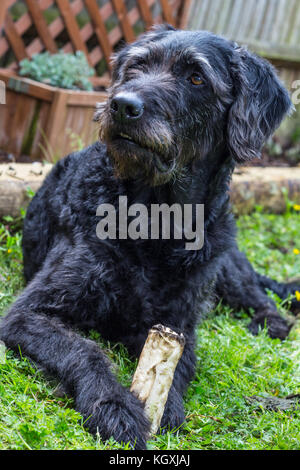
(32, 325)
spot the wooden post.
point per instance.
(56, 119)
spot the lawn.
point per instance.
(232, 364)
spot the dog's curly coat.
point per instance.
(183, 108)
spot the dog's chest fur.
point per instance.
(127, 285)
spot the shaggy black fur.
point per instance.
(183, 108)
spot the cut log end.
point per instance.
(154, 374)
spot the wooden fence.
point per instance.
(95, 27)
(270, 28)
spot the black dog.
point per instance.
(183, 108)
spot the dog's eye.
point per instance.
(196, 79)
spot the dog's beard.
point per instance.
(147, 155)
(140, 165)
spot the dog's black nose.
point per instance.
(126, 107)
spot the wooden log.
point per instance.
(154, 374)
(252, 186)
(15, 179)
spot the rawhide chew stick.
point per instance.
(154, 374)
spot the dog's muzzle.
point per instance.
(140, 142)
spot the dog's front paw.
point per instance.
(276, 325)
(173, 416)
(121, 416)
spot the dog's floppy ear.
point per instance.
(260, 104)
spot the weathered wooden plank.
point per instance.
(269, 27)
(286, 54)
(133, 16)
(14, 39)
(38, 143)
(56, 118)
(72, 26)
(237, 11)
(57, 26)
(244, 23)
(199, 13)
(145, 13)
(211, 18)
(82, 98)
(44, 4)
(26, 85)
(269, 19)
(167, 12)
(7, 113)
(291, 8)
(258, 19)
(121, 12)
(223, 19)
(41, 25)
(3, 10)
(276, 27)
(116, 34)
(294, 34)
(20, 123)
(183, 14)
(100, 29)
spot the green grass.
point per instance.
(232, 364)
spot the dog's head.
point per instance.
(178, 95)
